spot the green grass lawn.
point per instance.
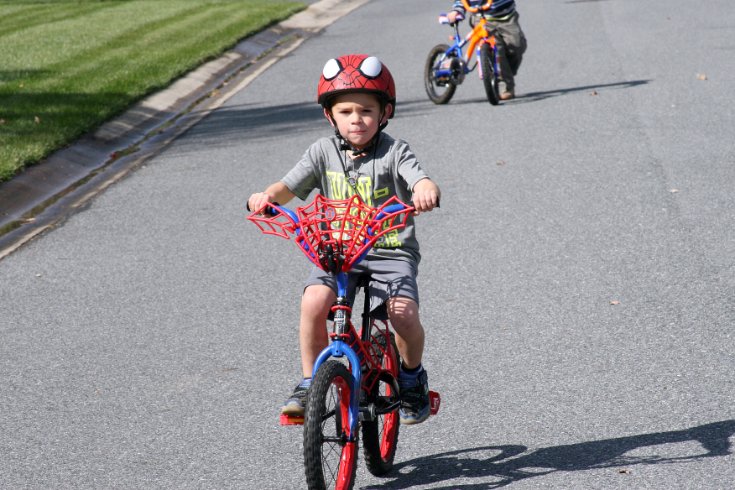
(68, 66)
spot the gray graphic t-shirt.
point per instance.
(390, 168)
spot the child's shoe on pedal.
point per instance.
(507, 95)
(414, 385)
(296, 403)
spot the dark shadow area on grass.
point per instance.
(70, 113)
(45, 12)
(7, 76)
(34, 125)
(507, 464)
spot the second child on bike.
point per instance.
(357, 94)
(503, 16)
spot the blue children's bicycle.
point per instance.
(446, 66)
(355, 380)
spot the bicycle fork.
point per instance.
(339, 348)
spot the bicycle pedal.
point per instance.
(435, 400)
(291, 419)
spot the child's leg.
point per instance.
(313, 338)
(515, 46)
(413, 380)
(404, 316)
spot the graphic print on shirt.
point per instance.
(341, 188)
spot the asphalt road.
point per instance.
(577, 283)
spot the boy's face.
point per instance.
(358, 117)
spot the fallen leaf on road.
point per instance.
(701, 76)
(674, 191)
(614, 302)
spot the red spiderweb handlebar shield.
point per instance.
(335, 234)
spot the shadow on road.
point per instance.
(535, 96)
(246, 120)
(276, 121)
(522, 98)
(508, 464)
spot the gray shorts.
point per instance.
(388, 278)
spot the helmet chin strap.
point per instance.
(345, 145)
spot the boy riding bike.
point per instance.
(357, 93)
(503, 16)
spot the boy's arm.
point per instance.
(275, 193)
(426, 195)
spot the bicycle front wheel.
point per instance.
(440, 89)
(380, 436)
(330, 458)
(489, 73)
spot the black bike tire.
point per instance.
(489, 75)
(429, 84)
(316, 420)
(373, 443)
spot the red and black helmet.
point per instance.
(356, 73)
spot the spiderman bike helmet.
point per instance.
(356, 73)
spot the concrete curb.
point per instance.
(47, 193)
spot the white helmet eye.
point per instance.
(371, 67)
(331, 69)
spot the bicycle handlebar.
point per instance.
(482, 8)
(333, 234)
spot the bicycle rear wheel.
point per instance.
(489, 73)
(330, 459)
(440, 89)
(380, 436)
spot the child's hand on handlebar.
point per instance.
(258, 201)
(426, 195)
(454, 16)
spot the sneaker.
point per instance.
(507, 95)
(294, 406)
(414, 399)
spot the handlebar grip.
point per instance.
(390, 209)
(393, 208)
(444, 19)
(272, 209)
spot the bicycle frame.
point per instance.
(339, 348)
(343, 329)
(473, 40)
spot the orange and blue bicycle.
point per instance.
(446, 66)
(355, 381)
